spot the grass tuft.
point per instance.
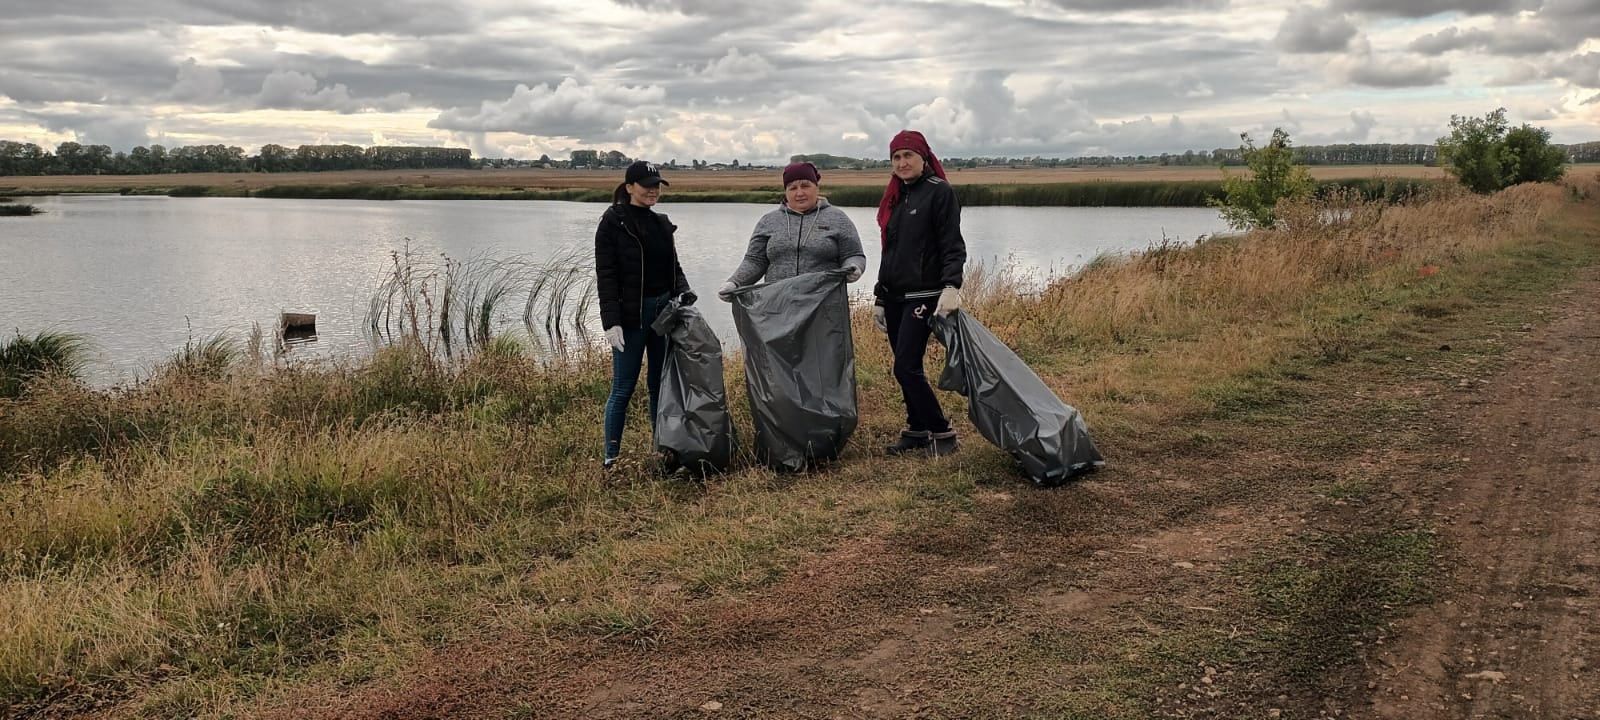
(23, 359)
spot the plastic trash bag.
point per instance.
(693, 427)
(800, 367)
(1010, 405)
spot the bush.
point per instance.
(1485, 157)
(1251, 201)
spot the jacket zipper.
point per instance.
(797, 238)
(640, 241)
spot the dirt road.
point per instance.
(1514, 633)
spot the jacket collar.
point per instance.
(822, 203)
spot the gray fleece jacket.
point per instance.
(786, 243)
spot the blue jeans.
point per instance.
(625, 365)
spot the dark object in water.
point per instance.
(300, 327)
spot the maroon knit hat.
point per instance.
(905, 140)
(801, 171)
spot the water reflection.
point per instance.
(141, 276)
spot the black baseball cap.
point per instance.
(645, 173)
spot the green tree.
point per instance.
(1530, 157)
(1474, 151)
(1251, 200)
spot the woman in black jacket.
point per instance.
(636, 273)
(919, 276)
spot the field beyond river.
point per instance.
(1139, 186)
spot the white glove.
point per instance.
(614, 337)
(949, 302)
(879, 318)
(853, 268)
(725, 293)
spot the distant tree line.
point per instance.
(71, 158)
(1344, 154)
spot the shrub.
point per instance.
(1484, 156)
(1251, 201)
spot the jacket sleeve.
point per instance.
(952, 248)
(849, 240)
(607, 280)
(754, 265)
(680, 284)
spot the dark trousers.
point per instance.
(908, 338)
(636, 343)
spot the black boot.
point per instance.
(910, 441)
(942, 444)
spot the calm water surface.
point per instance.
(140, 276)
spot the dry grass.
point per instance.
(197, 542)
(682, 180)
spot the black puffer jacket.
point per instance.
(923, 250)
(619, 266)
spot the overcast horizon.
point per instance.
(719, 79)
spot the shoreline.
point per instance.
(1081, 193)
(1126, 186)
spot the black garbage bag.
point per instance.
(800, 367)
(1010, 405)
(693, 427)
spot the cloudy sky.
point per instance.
(726, 79)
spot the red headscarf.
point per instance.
(905, 140)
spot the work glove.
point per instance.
(949, 302)
(614, 337)
(853, 269)
(687, 298)
(879, 318)
(726, 291)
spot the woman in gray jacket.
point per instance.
(805, 234)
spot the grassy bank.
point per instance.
(207, 541)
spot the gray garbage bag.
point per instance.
(1010, 405)
(800, 367)
(693, 427)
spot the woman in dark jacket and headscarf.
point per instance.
(920, 275)
(636, 273)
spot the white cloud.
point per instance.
(571, 109)
(737, 65)
(293, 90)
